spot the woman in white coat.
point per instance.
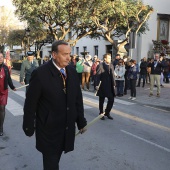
(119, 77)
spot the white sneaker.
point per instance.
(133, 98)
(130, 97)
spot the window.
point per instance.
(77, 50)
(84, 48)
(96, 50)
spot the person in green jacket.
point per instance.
(79, 68)
(27, 68)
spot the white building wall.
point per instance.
(89, 43)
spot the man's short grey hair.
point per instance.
(56, 44)
(157, 54)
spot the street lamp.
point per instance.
(27, 33)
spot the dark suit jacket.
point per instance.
(158, 69)
(105, 74)
(54, 112)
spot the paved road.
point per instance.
(137, 139)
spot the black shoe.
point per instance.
(125, 93)
(137, 86)
(109, 117)
(103, 118)
(1, 133)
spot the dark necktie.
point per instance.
(63, 72)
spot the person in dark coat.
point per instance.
(5, 80)
(132, 76)
(53, 106)
(143, 72)
(105, 74)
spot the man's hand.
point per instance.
(82, 130)
(22, 83)
(97, 87)
(15, 89)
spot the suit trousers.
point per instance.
(155, 77)
(51, 161)
(109, 104)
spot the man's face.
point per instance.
(108, 59)
(156, 57)
(30, 58)
(118, 57)
(62, 57)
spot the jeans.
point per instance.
(133, 87)
(120, 86)
(142, 76)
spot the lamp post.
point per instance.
(27, 33)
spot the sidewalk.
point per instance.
(142, 95)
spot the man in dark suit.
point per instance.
(105, 74)
(53, 105)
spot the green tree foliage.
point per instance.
(73, 19)
(120, 18)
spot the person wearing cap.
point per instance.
(27, 68)
(54, 106)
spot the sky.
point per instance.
(5, 3)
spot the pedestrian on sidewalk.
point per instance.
(132, 76)
(5, 80)
(105, 75)
(93, 70)
(143, 72)
(119, 77)
(87, 64)
(53, 106)
(156, 69)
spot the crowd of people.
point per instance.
(128, 74)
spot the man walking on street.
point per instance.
(53, 106)
(105, 75)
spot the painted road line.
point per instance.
(156, 108)
(20, 93)
(87, 107)
(147, 141)
(140, 120)
(15, 108)
(116, 100)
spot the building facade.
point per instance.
(159, 28)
